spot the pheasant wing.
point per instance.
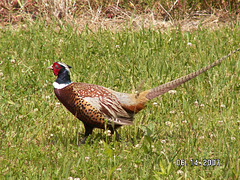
(104, 102)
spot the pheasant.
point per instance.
(100, 107)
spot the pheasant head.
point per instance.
(62, 71)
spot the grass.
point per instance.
(39, 137)
(160, 14)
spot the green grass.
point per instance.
(39, 137)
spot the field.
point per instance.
(39, 138)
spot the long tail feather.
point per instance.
(157, 91)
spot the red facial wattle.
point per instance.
(56, 68)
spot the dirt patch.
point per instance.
(146, 21)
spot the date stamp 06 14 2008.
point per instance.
(195, 162)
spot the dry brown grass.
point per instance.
(118, 15)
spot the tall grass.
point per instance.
(91, 10)
(39, 137)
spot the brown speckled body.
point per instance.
(73, 97)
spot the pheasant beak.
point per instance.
(50, 67)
